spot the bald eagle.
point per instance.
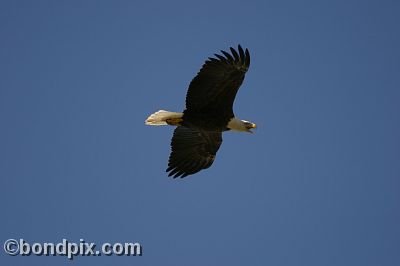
(209, 112)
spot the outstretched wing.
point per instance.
(192, 150)
(216, 84)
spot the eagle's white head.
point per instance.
(241, 125)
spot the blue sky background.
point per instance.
(317, 184)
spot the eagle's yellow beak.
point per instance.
(250, 126)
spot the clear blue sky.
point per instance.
(317, 184)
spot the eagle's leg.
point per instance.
(176, 121)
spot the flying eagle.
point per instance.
(209, 112)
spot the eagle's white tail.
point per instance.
(160, 118)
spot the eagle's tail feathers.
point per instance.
(162, 118)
